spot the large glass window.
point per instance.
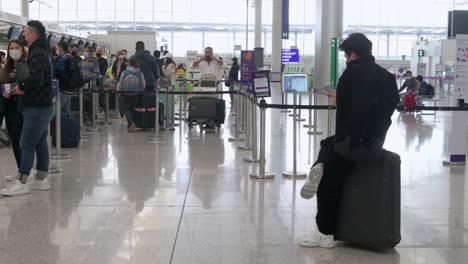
(392, 25)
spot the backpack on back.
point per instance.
(76, 80)
(131, 82)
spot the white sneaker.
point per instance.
(14, 187)
(34, 184)
(312, 183)
(317, 239)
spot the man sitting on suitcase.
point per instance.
(366, 98)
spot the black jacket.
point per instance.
(234, 72)
(366, 97)
(149, 68)
(103, 65)
(122, 68)
(63, 71)
(38, 87)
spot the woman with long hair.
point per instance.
(16, 53)
(170, 68)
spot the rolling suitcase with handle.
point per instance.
(370, 205)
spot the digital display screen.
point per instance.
(52, 41)
(15, 33)
(290, 56)
(294, 82)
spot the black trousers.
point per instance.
(14, 125)
(130, 101)
(336, 169)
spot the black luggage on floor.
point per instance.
(204, 110)
(144, 114)
(70, 132)
(370, 206)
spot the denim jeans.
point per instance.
(65, 104)
(33, 140)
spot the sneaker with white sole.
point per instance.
(317, 240)
(14, 187)
(312, 183)
(34, 184)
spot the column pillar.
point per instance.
(25, 8)
(277, 45)
(329, 24)
(258, 23)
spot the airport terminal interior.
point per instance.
(184, 186)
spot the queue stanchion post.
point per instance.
(284, 100)
(53, 169)
(310, 125)
(81, 102)
(237, 117)
(117, 105)
(262, 174)
(58, 155)
(173, 97)
(315, 130)
(94, 102)
(294, 173)
(167, 111)
(299, 116)
(106, 114)
(240, 111)
(248, 126)
(254, 158)
(158, 137)
(293, 114)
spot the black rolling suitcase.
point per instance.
(206, 109)
(144, 113)
(370, 206)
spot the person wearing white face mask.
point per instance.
(89, 65)
(13, 108)
(119, 66)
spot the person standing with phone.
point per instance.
(209, 64)
(35, 84)
(16, 53)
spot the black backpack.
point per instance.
(76, 80)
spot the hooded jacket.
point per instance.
(37, 87)
(148, 67)
(367, 96)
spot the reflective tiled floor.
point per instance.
(189, 199)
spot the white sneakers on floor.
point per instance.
(14, 187)
(312, 183)
(317, 240)
(34, 184)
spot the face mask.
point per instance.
(15, 54)
(85, 54)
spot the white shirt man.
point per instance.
(210, 64)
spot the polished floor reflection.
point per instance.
(122, 199)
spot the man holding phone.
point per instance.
(209, 64)
(36, 87)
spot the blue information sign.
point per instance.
(285, 20)
(55, 87)
(290, 56)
